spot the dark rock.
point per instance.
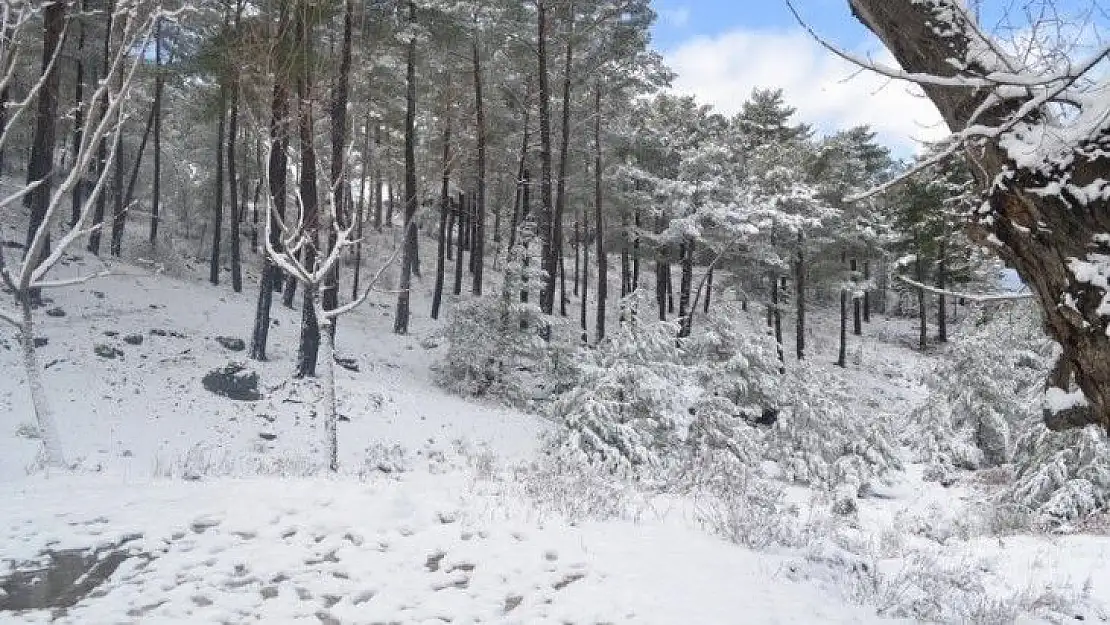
(111, 333)
(350, 364)
(41, 341)
(231, 343)
(133, 339)
(343, 418)
(62, 579)
(55, 312)
(768, 417)
(158, 332)
(107, 351)
(98, 294)
(233, 381)
(267, 436)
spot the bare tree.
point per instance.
(102, 120)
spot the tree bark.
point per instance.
(44, 416)
(78, 113)
(686, 254)
(857, 310)
(546, 221)
(46, 119)
(444, 209)
(329, 299)
(842, 356)
(922, 311)
(401, 319)
(1037, 234)
(599, 226)
(867, 291)
(378, 195)
(308, 348)
(777, 314)
(156, 182)
(362, 204)
(234, 216)
(564, 152)
(477, 255)
(942, 283)
(218, 203)
(102, 148)
(800, 299)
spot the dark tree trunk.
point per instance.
(867, 291)
(477, 255)
(309, 346)
(218, 203)
(136, 166)
(800, 299)
(582, 282)
(156, 182)
(670, 290)
(46, 119)
(525, 217)
(842, 357)
(460, 241)
(257, 194)
(626, 254)
(776, 305)
(636, 253)
(102, 148)
(78, 114)
(235, 214)
(391, 204)
(401, 320)
(340, 96)
(378, 177)
(444, 209)
(564, 152)
(922, 310)
(1037, 234)
(546, 222)
(521, 187)
(119, 216)
(599, 226)
(942, 280)
(277, 172)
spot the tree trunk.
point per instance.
(331, 407)
(686, 254)
(102, 148)
(309, 347)
(708, 289)
(922, 311)
(44, 417)
(156, 182)
(777, 315)
(942, 280)
(867, 291)
(444, 209)
(235, 215)
(626, 254)
(78, 114)
(477, 255)
(378, 177)
(136, 166)
(599, 226)
(564, 152)
(582, 282)
(329, 299)
(1041, 235)
(218, 203)
(525, 215)
(362, 204)
(41, 162)
(401, 320)
(857, 311)
(800, 299)
(521, 187)
(842, 357)
(636, 252)
(277, 173)
(460, 241)
(546, 222)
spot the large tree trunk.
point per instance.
(686, 254)
(857, 310)
(800, 299)
(546, 221)
(922, 311)
(564, 153)
(277, 172)
(842, 354)
(460, 241)
(48, 429)
(378, 178)
(218, 200)
(102, 147)
(46, 120)
(329, 299)
(401, 320)
(362, 205)
(477, 254)
(942, 283)
(1041, 235)
(78, 114)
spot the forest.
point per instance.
(458, 311)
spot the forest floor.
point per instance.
(192, 508)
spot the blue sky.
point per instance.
(722, 49)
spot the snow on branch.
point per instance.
(972, 297)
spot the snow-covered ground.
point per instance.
(216, 505)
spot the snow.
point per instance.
(431, 519)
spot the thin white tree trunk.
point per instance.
(51, 442)
(331, 414)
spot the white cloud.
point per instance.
(828, 92)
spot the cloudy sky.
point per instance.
(722, 49)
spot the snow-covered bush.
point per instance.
(820, 439)
(984, 391)
(506, 348)
(1061, 476)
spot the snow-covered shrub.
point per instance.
(630, 407)
(984, 391)
(1061, 476)
(819, 439)
(562, 484)
(502, 347)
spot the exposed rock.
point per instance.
(64, 578)
(133, 339)
(111, 333)
(55, 312)
(267, 436)
(231, 343)
(108, 351)
(41, 341)
(233, 381)
(350, 364)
